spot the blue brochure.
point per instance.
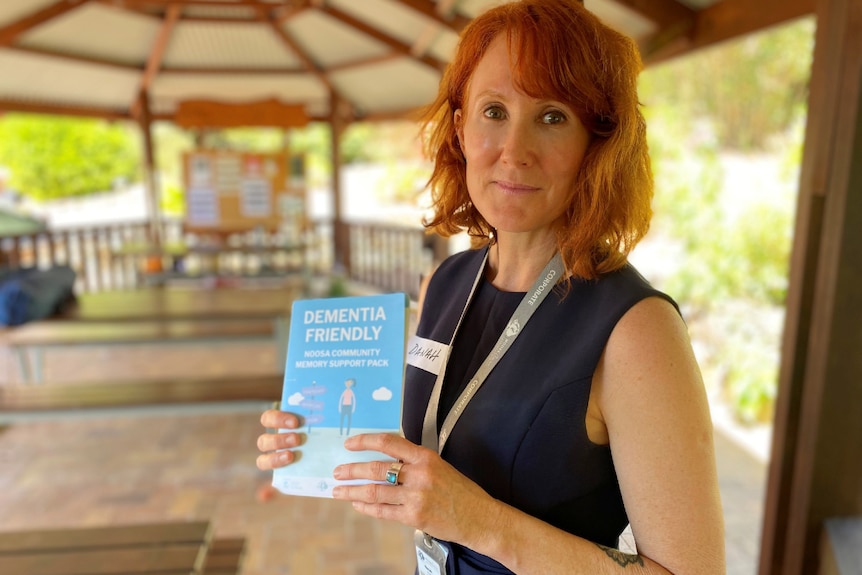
(344, 375)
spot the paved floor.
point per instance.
(198, 462)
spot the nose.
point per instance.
(518, 144)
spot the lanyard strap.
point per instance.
(531, 301)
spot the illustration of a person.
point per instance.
(347, 405)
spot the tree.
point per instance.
(751, 89)
(54, 157)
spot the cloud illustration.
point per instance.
(381, 394)
(295, 399)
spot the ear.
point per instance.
(458, 119)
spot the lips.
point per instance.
(513, 187)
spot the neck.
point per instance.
(514, 265)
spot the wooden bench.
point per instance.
(225, 556)
(21, 398)
(163, 548)
(29, 341)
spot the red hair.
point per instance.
(560, 51)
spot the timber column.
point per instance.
(816, 468)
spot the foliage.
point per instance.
(54, 157)
(745, 95)
(749, 89)
(381, 142)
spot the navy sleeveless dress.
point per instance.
(523, 436)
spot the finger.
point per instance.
(269, 461)
(369, 493)
(391, 444)
(372, 470)
(274, 441)
(275, 419)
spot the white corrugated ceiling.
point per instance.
(381, 57)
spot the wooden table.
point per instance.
(174, 547)
(155, 315)
(174, 304)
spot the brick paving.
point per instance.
(197, 462)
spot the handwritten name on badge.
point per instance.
(426, 354)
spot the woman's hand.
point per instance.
(431, 495)
(276, 446)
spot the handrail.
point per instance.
(384, 257)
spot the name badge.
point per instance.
(430, 554)
(426, 354)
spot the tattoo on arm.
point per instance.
(620, 558)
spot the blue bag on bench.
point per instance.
(27, 294)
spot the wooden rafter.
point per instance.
(663, 12)
(63, 109)
(382, 37)
(154, 61)
(725, 20)
(11, 32)
(363, 62)
(255, 4)
(290, 11)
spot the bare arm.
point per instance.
(651, 400)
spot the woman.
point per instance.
(589, 411)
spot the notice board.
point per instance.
(229, 191)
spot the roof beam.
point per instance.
(288, 12)
(726, 20)
(384, 38)
(388, 57)
(154, 61)
(62, 110)
(11, 32)
(256, 4)
(663, 12)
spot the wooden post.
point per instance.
(816, 468)
(145, 121)
(338, 123)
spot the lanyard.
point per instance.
(541, 288)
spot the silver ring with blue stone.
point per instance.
(393, 472)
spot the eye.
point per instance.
(553, 117)
(494, 112)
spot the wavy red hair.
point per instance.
(560, 51)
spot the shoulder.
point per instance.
(649, 346)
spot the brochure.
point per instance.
(344, 375)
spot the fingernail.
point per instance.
(336, 473)
(336, 492)
(284, 456)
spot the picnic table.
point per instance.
(186, 547)
(153, 315)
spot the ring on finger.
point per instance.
(393, 472)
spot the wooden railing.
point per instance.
(91, 252)
(392, 258)
(384, 257)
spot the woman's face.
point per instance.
(523, 154)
